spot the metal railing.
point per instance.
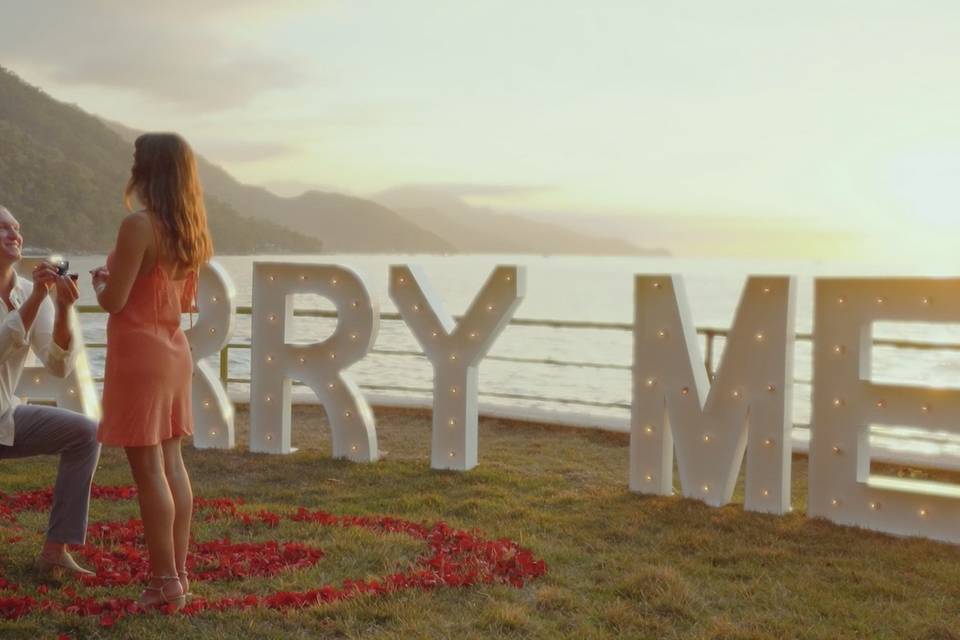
(710, 334)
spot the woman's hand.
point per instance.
(99, 277)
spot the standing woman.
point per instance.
(149, 279)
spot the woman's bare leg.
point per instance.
(179, 482)
(156, 507)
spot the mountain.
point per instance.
(344, 223)
(429, 221)
(482, 230)
(62, 174)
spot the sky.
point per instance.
(817, 129)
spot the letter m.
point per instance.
(745, 409)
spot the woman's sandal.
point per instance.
(154, 596)
(185, 584)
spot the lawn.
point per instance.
(619, 565)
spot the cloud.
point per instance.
(215, 84)
(175, 53)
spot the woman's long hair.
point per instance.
(164, 178)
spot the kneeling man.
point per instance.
(29, 319)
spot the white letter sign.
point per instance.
(76, 391)
(274, 361)
(746, 408)
(455, 351)
(212, 330)
(846, 403)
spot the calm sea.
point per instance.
(569, 288)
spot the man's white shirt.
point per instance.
(15, 345)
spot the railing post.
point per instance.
(709, 335)
(225, 364)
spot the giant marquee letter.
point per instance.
(320, 365)
(212, 330)
(746, 408)
(846, 403)
(76, 391)
(455, 351)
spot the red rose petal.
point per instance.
(116, 550)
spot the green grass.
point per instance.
(620, 565)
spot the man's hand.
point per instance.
(67, 292)
(44, 278)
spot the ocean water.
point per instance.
(596, 289)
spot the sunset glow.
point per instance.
(818, 130)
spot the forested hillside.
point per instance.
(62, 174)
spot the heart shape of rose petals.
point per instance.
(453, 558)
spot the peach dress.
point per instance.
(149, 369)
